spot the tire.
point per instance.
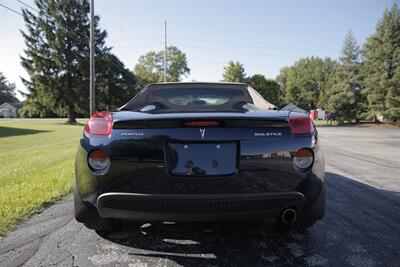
(101, 227)
(88, 215)
(104, 226)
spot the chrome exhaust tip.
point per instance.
(289, 216)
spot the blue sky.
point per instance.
(263, 35)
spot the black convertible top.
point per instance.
(191, 97)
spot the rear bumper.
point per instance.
(139, 185)
(180, 207)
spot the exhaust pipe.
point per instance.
(289, 216)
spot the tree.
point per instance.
(345, 98)
(115, 85)
(269, 89)
(326, 91)
(234, 72)
(307, 80)
(7, 90)
(57, 61)
(281, 79)
(381, 67)
(150, 67)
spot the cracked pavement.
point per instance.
(361, 226)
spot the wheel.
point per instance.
(101, 227)
(104, 226)
(88, 215)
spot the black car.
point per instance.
(199, 152)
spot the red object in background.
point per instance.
(313, 114)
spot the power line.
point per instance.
(136, 45)
(116, 22)
(236, 51)
(252, 46)
(122, 29)
(132, 26)
(91, 46)
(112, 60)
(136, 39)
(225, 62)
(10, 9)
(25, 4)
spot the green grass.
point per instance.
(36, 166)
(324, 123)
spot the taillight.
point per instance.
(201, 123)
(301, 125)
(98, 160)
(99, 124)
(303, 159)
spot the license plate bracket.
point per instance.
(201, 159)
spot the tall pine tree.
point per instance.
(382, 67)
(57, 60)
(345, 98)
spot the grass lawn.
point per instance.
(324, 123)
(364, 124)
(36, 166)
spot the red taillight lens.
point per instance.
(98, 154)
(98, 160)
(99, 124)
(201, 123)
(301, 125)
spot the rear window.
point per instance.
(196, 96)
(191, 99)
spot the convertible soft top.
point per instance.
(195, 97)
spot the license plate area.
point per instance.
(201, 159)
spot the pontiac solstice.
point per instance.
(199, 152)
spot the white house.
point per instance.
(10, 110)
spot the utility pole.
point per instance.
(279, 93)
(165, 51)
(92, 69)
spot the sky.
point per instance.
(262, 35)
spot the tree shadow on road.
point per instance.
(10, 131)
(216, 244)
(358, 230)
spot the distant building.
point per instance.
(10, 110)
(321, 114)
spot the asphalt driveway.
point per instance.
(361, 227)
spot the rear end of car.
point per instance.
(199, 166)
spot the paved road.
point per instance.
(361, 227)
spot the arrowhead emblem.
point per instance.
(202, 132)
